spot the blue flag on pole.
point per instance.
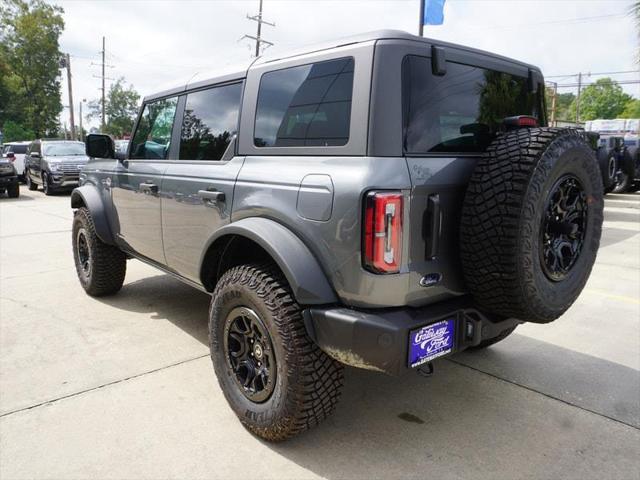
(433, 12)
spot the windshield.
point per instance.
(64, 148)
(462, 110)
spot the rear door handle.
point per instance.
(212, 196)
(148, 188)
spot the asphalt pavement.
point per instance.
(122, 387)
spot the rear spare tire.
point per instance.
(531, 223)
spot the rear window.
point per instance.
(309, 105)
(17, 148)
(461, 111)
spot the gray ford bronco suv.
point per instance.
(379, 202)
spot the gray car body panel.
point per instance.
(303, 272)
(304, 205)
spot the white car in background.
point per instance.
(16, 151)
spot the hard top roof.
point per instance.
(240, 71)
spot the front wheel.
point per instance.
(101, 267)
(46, 188)
(30, 185)
(277, 381)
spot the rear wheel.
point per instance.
(14, 191)
(608, 168)
(531, 223)
(101, 268)
(626, 172)
(277, 381)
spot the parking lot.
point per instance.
(122, 387)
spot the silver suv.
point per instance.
(379, 202)
(54, 164)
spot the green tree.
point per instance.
(631, 109)
(563, 103)
(15, 132)
(30, 55)
(121, 108)
(602, 99)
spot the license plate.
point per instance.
(431, 341)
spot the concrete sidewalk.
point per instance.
(122, 387)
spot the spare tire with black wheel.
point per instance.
(626, 172)
(608, 167)
(277, 381)
(531, 223)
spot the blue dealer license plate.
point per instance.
(431, 341)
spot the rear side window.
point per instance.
(153, 135)
(462, 110)
(209, 123)
(309, 105)
(17, 149)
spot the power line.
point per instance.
(550, 22)
(621, 82)
(594, 73)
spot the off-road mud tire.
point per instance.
(308, 382)
(107, 263)
(502, 222)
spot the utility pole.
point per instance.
(66, 63)
(553, 104)
(81, 129)
(258, 38)
(578, 97)
(103, 123)
(421, 26)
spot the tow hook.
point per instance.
(426, 370)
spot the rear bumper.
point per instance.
(379, 339)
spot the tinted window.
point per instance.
(308, 105)
(153, 135)
(210, 121)
(462, 110)
(17, 148)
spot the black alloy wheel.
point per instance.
(84, 253)
(249, 353)
(563, 227)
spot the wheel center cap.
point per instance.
(258, 351)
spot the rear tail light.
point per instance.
(521, 121)
(383, 232)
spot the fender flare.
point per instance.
(89, 196)
(308, 282)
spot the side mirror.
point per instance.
(11, 156)
(100, 146)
